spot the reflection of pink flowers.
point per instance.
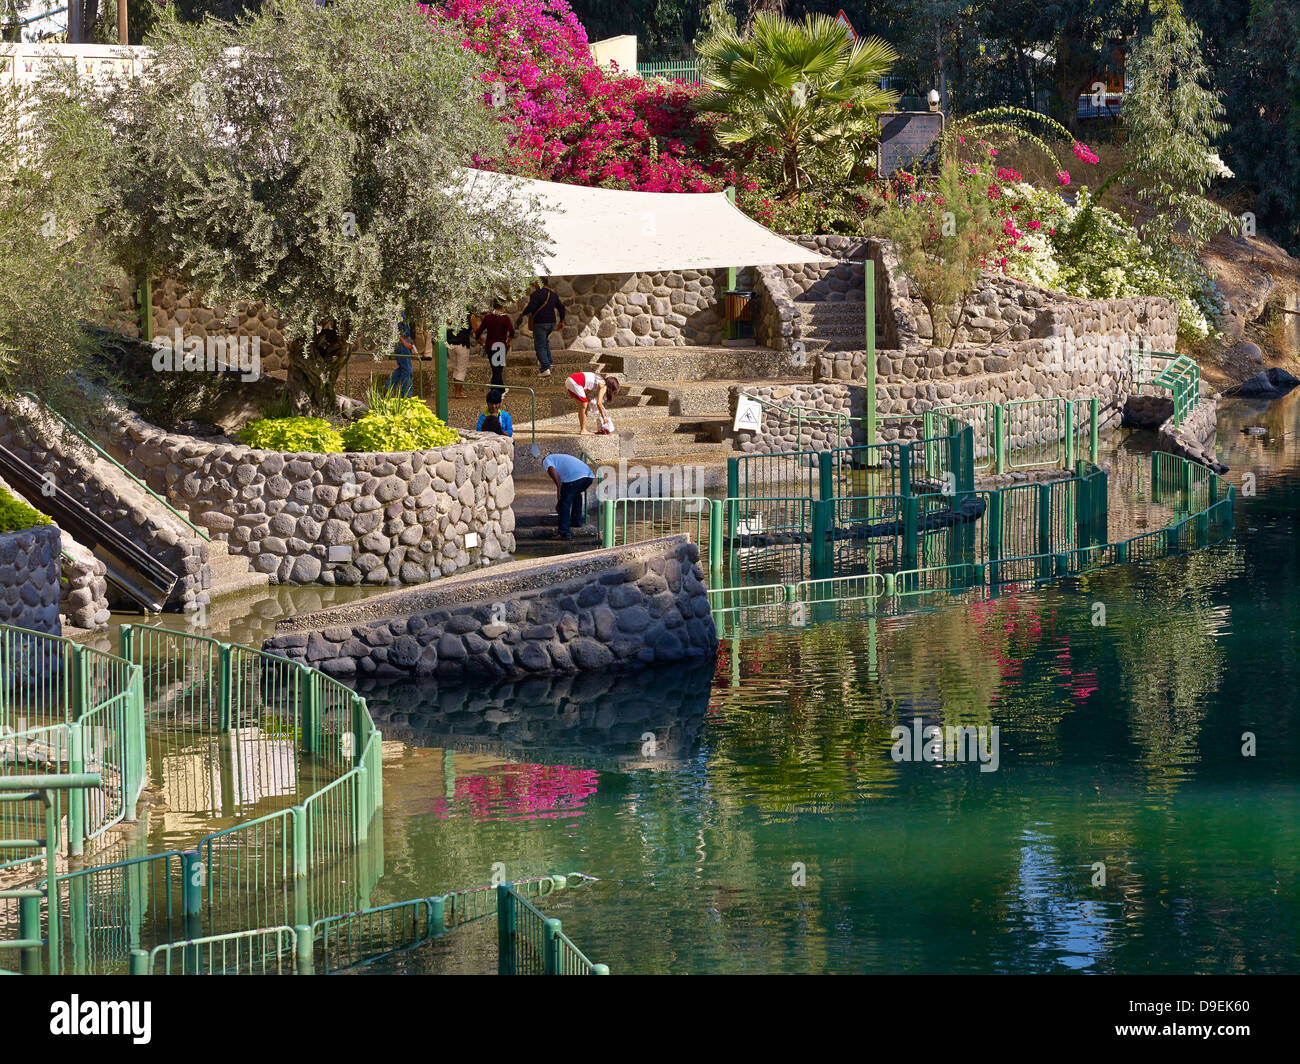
(523, 792)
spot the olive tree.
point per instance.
(313, 158)
(52, 270)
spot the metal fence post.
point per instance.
(139, 962)
(551, 947)
(825, 481)
(505, 929)
(29, 930)
(715, 536)
(1094, 417)
(608, 522)
(306, 710)
(1071, 455)
(437, 917)
(224, 686)
(76, 796)
(911, 515)
(905, 469)
(304, 943)
(1044, 519)
(1000, 439)
(298, 818)
(822, 520)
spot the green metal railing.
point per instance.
(1179, 375)
(80, 709)
(635, 520)
(530, 943)
(1049, 433)
(825, 429)
(202, 533)
(687, 70)
(367, 936)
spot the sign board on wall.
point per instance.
(844, 20)
(906, 136)
(749, 415)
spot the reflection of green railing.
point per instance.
(634, 520)
(200, 532)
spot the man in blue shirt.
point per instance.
(572, 477)
(494, 419)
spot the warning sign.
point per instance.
(843, 18)
(749, 415)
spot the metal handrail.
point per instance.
(202, 533)
(532, 405)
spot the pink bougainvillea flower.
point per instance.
(1063, 177)
(1034, 223)
(1005, 173)
(1084, 153)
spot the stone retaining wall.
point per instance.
(407, 517)
(113, 496)
(621, 608)
(673, 309)
(29, 579)
(83, 598)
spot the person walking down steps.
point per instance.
(572, 477)
(545, 314)
(496, 330)
(585, 388)
(458, 348)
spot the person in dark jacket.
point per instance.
(496, 330)
(545, 313)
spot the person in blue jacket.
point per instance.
(494, 419)
(402, 380)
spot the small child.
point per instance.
(494, 419)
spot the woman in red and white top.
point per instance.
(585, 387)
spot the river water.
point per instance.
(1144, 814)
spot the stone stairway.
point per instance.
(837, 326)
(229, 573)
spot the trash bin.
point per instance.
(739, 306)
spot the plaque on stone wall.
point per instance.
(905, 137)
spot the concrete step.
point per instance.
(693, 364)
(231, 573)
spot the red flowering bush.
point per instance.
(574, 122)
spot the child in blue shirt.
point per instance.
(494, 419)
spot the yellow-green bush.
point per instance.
(17, 516)
(311, 434)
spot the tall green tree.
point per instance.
(803, 91)
(52, 271)
(312, 158)
(1173, 116)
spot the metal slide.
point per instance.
(131, 569)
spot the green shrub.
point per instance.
(312, 434)
(397, 423)
(17, 516)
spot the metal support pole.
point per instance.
(1000, 439)
(146, 300)
(1071, 458)
(551, 947)
(306, 710)
(716, 527)
(1094, 417)
(298, 818)
(139, 962)
(608, 523)
(733, 327)
(825, 479)
(441, 359)
(869, 298)
(76, 798)
(224, 687)
(304, 948)
(29, 930)
(505, 929)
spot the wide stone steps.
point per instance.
(230, 573)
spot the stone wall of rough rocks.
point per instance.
(676, 309)
(404, 517)
(84, 588)
(113, 496)
(1195, 437)
(176, 307)
(29, 579)
(616, 609)
(679, 309)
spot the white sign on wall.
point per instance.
(749, 415)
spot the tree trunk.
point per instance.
(314, 370)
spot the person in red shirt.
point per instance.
(496, 330)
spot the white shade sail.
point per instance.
(601, 230)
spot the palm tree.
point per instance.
(803, 90)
